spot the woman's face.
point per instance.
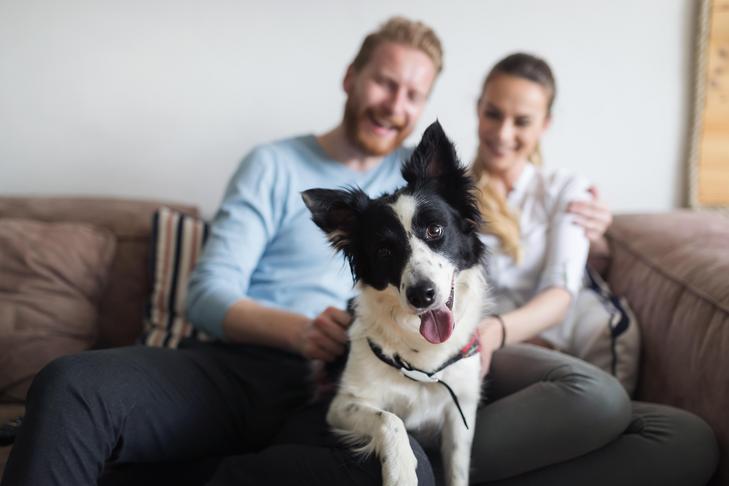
(512, 116)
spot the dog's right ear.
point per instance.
(336, 212)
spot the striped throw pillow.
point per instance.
(177, 240)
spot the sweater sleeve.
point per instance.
(247, 220)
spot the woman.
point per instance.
(550, 418)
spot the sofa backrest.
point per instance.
(122, 305)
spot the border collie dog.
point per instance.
(413, 363)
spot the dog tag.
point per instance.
(418, 375)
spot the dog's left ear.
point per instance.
(434, 156)
(435, 159)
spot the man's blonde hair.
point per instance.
(403, 31)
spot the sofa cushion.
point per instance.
(673, 269)
(52, 276)
(177, 240)
(130, 220)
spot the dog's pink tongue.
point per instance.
(437, 325)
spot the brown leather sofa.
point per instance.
(672, 267)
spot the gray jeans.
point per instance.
(550, 419)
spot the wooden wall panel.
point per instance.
(713, 150)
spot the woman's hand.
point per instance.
(325, 336)
(490, 337)
(593, 215)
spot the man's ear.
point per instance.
(348, 81)
(336, 212)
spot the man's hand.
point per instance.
(325, 336)
(594, 216)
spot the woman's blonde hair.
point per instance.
(498, 219)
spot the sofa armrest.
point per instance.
(674, 270)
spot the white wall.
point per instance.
(160, 99)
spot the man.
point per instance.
(387, 86)
(268, 287)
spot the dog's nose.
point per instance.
(421, 295)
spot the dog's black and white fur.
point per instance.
(417, 261)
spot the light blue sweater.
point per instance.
(263, 244)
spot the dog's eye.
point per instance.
(434, 232)
(383, 252)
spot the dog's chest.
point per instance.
(418, 404)
(422, 407)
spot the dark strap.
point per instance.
(421, 376)
(619, 316)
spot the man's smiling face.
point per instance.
(386, 97)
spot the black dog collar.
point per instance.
(422, 376)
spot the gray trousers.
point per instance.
(231, 415)
(551, 419)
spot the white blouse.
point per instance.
(554, 247)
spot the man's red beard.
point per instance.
(371, 144)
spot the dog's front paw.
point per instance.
(399, 469)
